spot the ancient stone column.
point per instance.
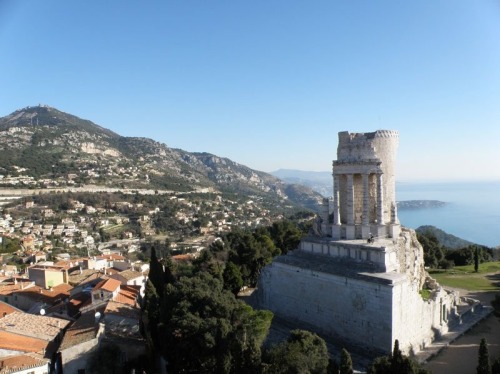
(350, 230)
(380, 200)
(366, 200)
(394, 214)
(336, 208)
(365, 228)
(381, 230)
(325, 209)
(350, 199)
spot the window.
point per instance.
(81, 371)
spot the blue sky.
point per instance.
(269, 83)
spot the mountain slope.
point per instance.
(43, 147)
(45, 115)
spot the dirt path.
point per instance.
(461, 356)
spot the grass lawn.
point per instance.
(486, 279)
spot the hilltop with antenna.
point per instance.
(44, 147)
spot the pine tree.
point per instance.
(483, 363)
(168, 274)
(345, 362)
(476, 259)
(232, 278)
(156, 274)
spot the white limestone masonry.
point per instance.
(358, 278)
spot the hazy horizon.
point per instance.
(398, 180)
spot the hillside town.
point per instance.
(74, 274)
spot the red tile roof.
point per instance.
(7, 288)
(7, 309)
(86, 275)
(127, 295)
(21, 343)
(36, 293)
(113, 256)
(36, 326)
(67, 264)
(48, 267)
(109, 285)
(15, 364)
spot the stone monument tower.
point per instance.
(365, 293)
(364, 186)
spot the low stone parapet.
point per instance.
(380, 254)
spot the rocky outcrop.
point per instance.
(93, 149)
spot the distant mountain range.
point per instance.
(319, 181)
(41, 145)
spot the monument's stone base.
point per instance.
(356, 292)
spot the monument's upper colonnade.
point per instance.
(364, 186)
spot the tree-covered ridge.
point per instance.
(447, 240)
(437, 255)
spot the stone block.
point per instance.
(350, 232)
(366, 231)
(336, 232)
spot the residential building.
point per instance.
(79, 342)
(48, 275)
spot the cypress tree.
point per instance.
(345, 362)
(397, 360)
(156, 274)
(151, 315)
(483, 363)
(495, 367)
(476, 259)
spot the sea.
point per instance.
(471, 212)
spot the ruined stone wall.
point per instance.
(411, 257)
